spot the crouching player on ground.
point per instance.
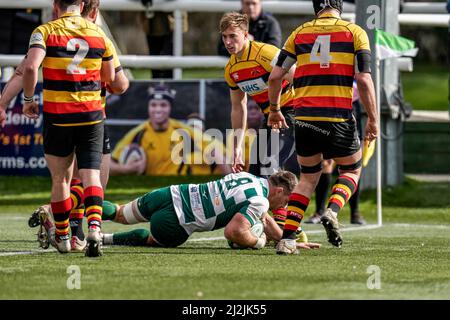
(235, 202)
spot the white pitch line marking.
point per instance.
(18, 253)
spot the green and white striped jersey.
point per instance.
(210, 206)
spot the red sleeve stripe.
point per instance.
(307, 38)
(61, 41)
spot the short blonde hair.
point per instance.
(285, 179)
(234, 19)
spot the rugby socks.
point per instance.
(109, 210)
(279, 215)
(77, 213)
(341, 192)
(136, 237)
(61, 212)
(322, 192)
(93, 201)
(296, 209)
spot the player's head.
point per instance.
(281, 185)
(160, 99)
(90, 10)
(234, 30)
(252, 8)
(254, 115)
(61, 6)
(320, 5)
(196, 121)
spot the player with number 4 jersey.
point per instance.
(329, 53)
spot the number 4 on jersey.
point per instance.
(324, 57)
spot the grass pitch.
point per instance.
(411, 250)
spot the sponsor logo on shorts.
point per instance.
(312, 127)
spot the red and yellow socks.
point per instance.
(93, 201)
(77, 214)
(61, 212)
(297, 206)
(341, 192)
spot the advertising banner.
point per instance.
(21, 141)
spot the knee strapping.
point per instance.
(312, 169)
(350, 167)
(132, 214)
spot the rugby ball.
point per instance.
(257, 229)
(131, 153)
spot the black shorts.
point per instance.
(331, 139)
(86, 141)
(106, 140)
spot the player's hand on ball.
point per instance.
(137, 167)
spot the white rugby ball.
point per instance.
(257, 230)
(131, 153)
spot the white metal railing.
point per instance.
(170, 62)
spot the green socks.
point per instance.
(109, 210)
(137, 237)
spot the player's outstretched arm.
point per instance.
(239, 124)
(276, 119)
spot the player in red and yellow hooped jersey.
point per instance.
(250, 72)
(76, 56)
(247, 72)
(326, 52)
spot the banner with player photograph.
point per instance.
(201, 104)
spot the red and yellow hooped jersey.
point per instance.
(75, 49)
(250, 74)
(325, 51)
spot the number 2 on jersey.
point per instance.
(322, 43)
(82, 48)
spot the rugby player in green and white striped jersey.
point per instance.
(235, 202)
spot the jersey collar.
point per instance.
(70, 14)
(328, 15)
(245, 55)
